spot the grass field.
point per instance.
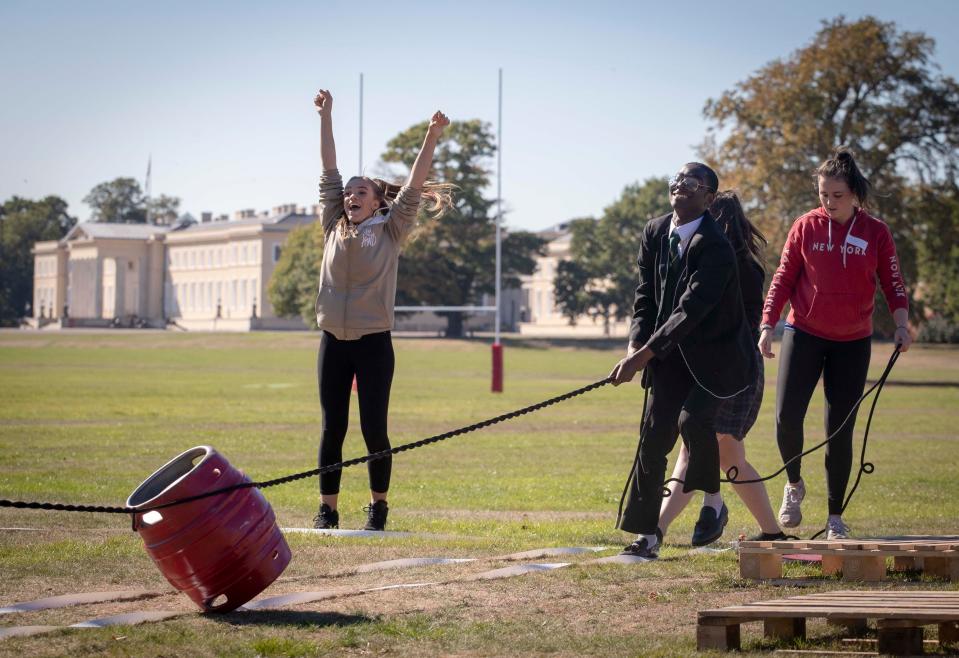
(85, 417)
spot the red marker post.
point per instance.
(497, 368)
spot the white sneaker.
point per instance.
(790, 515)
(836, 529)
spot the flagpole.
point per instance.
(147, 185)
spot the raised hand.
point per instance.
(437, 123)
(323, 102)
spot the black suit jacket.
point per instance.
(707, 320)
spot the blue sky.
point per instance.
(596, 95)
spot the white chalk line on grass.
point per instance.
(23, 631)
(271, 603)
(22, 529)
(68, 600)
(300, 598)
(334, 532)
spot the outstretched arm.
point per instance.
(324, 106)
(424, 160)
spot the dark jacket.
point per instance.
(751, 279)
(708, 320)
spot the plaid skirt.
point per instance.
(737, 415)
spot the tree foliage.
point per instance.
(599, 279)
(293, 286)
(450, 261)
(119, 201)
(162, 209)
(863, 84)
(24, 222)
(934, 211)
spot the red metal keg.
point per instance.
(222, 550)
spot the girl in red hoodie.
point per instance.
(828, 271)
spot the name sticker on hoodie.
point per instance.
(859, 243)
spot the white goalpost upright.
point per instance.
(497, 385)
(497, 376)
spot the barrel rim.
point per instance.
(187, 455)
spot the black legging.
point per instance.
(371, 360)
(843, 366)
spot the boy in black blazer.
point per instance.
(689, 333)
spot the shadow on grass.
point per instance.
(291, 618)
(917, 384)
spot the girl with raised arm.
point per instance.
(365, 226)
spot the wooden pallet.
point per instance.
(899, 617)
(856, 559)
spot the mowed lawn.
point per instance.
(85, 417)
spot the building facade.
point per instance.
(206, 275)
(213, 275)
(539, 314)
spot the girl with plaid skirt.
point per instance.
(737, 414)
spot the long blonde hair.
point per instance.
(436, 200)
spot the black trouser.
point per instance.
(843, 366)
(371, 360)
(676, 405)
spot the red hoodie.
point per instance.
(828, 274)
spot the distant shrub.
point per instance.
(938, 330)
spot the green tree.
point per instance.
(599, 279)
(118, 201)
(451, 261)
(22, 223)
(934, 210)
(162, 209)
(864, 84)
(293, 286)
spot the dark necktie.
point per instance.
(674, 241)
(672, 277)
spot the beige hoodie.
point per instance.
(358, 274)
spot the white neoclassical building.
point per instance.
(213, 275)
(207, 275)
(539, 313)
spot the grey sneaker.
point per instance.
(836, 529)
(790, 515)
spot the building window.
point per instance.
(277, 251)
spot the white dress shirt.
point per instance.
(685, 232)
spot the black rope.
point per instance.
(864, 466)
(63, 507)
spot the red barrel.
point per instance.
(222, 550)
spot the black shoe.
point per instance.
(327, 518)
(710, 527)
(772, 536)
(376, 515)
(641, 548)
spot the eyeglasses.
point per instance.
(688, 183)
